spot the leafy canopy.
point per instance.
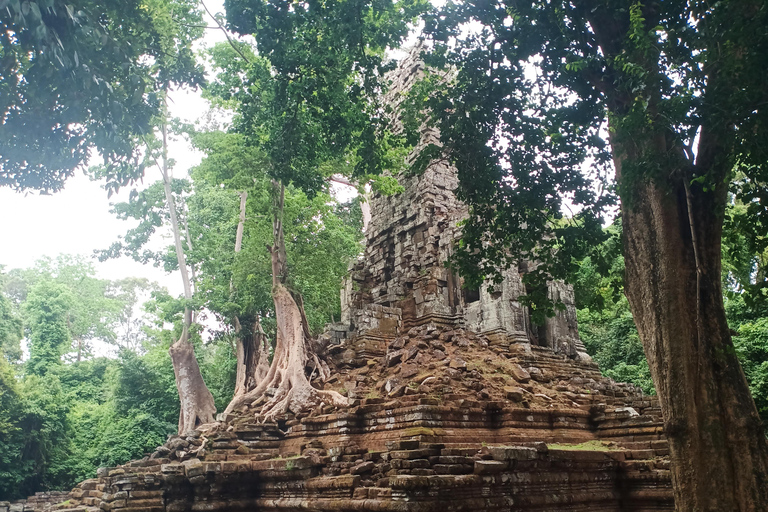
(77, 75)
(538, 85)
(311, 96)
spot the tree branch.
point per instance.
(226, 34)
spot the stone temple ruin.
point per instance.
(456, 402)
(402, 281)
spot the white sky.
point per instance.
(77, 219)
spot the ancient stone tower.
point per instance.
(402, 281)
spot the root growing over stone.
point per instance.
(287, 376)
(196, 400)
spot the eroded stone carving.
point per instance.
(402, 281)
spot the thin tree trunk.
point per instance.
(293, 348)
(672, 252)
(197, 405)
(252, 349)
(193, 277)
(241, 222)
(252, 358)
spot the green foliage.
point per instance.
(745, 257)
(611, 338)
(146, 383)
(321, 236)
(124, 417)
(148, 206)
(313, 95)
(97, 308)
(535, 83)
(218, 365)
(752, 347)
(605, 323)
(46, 310)
(134, 411)
(61, 421)
(386, 185)
(58, 429)
(77, 75)
(33, 444)
(10, 330)
(128, 438)
(14, 473)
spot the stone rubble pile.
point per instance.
(419, 434)
(41, 501)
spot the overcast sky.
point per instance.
(77, 219)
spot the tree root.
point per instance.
(287, 375)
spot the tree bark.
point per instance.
(197, 407)
(672, 236)
(252, 349)
(196, 401)
(293, 348)
(241, 222)
(252, 358)
(672, 229)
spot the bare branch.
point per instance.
(226, 33)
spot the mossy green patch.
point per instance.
(594, 446)
(423, 431)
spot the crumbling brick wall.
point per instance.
(408, 240)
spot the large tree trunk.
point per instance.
(672, 228)
(718, 448)
(196, 400)
(287, 374)
(293, 349)
(197, 405)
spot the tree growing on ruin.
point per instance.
(678, 89)
(230, 218)
(307, 100)
(158, 207)
(224, 180)
(196, 400)
(82, 75)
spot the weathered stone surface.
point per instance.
(514, 394)
(507, 453)
(401, 280)
(489, 467)
(519, 374)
